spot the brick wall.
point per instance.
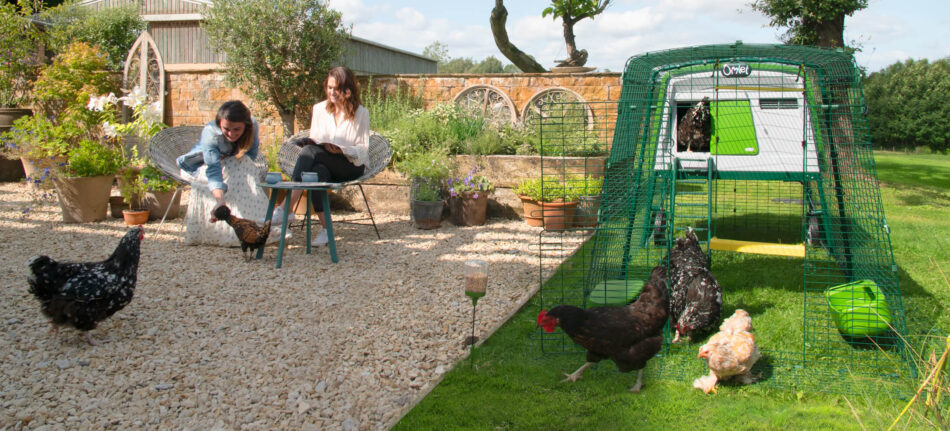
(194, 93)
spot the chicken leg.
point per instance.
(636, 387)
(575, 376)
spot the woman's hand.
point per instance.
(219, 197)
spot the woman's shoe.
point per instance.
(321, 238)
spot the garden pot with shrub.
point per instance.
(84, 199)
(468, 210)
(426, 204)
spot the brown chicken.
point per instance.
(730, 353)
(628, 335)
(249, 233)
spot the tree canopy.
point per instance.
(908, 105)
(440, 52)
(279, 50)
(810, 22)
(571, 12)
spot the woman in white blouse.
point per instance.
(338, 147)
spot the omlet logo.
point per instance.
(736, 70)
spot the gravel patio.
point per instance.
(212, 342)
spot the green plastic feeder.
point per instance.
(615, 292)
(859, 308)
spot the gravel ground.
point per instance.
(212, 342)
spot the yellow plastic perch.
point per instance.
(790, 250)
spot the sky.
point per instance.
(887, 31)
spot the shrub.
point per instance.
(20, 61)
(113, 30)
(90, 159)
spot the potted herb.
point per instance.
(85, 183)
(431, 167)
(427, 205)
(133, 190)
(468, 198)
(548, 202)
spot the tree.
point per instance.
(908, 106)
(499, 16)
(810, 22)
(113, 29)
(280, 50)
(437, 51)
(571, 12)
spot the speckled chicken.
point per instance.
(251, 235)
(83, 294)
(694, 130)
(730, 353)
(628, 335)
(695, 295)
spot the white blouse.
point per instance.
(352, 136)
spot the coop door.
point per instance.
(733, 131)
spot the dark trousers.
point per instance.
(334, 168)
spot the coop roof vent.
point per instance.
(778, 103)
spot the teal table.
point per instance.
(290, 186)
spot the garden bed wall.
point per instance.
(194, 93)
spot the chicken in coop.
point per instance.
(695, 295)
(694, 130)
(628, 335)
(83, 294)
(730, 353)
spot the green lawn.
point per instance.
(510, 384)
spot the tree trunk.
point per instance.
(499, 16)
(829, 33)
(287, 120)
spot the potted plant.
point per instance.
(133, 190)
(427, 205)
(548, 202)
(85, 184)
(588, 201)
(160, 193)
(427, 169)
(468, 198)
(19, 45)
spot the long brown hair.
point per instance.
(236, 112)
(348, 87)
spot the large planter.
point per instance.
(9, 115)
(84, 199)
(426, 214)
(158, 202)
(116, 205)
(35, 169)
(10, 170)
(532, 211)
(466, 210)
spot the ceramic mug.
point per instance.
(309, 177)
(272, 178)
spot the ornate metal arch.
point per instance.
(487, 101)
(559, 101)
(144, 67)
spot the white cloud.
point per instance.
(411, 19)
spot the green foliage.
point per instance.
(575, 9)
(440, 52)
(558, 189)
(90, 159)
(19, 61)
(437, 51)
(113, 30)
(133, 187)
(64, 87)
(807, 20)
(908, 106)
(36, 137)
(428, 191)
(386, 107)
(434, 164)
(156, 181)
(278, 50)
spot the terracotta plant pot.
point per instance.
(116, 205)
(558, 215)
(532, 211)
(135, 217)
(84, 199)
(468, 211)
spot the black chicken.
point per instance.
(695, 128)
(695, 295)
(249, 233)
(628, 335)
(83, 294)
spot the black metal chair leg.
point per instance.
(365, 202)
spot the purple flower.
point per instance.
(475, 196)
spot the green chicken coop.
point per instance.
(788, 178)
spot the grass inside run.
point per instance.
(509, 383)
